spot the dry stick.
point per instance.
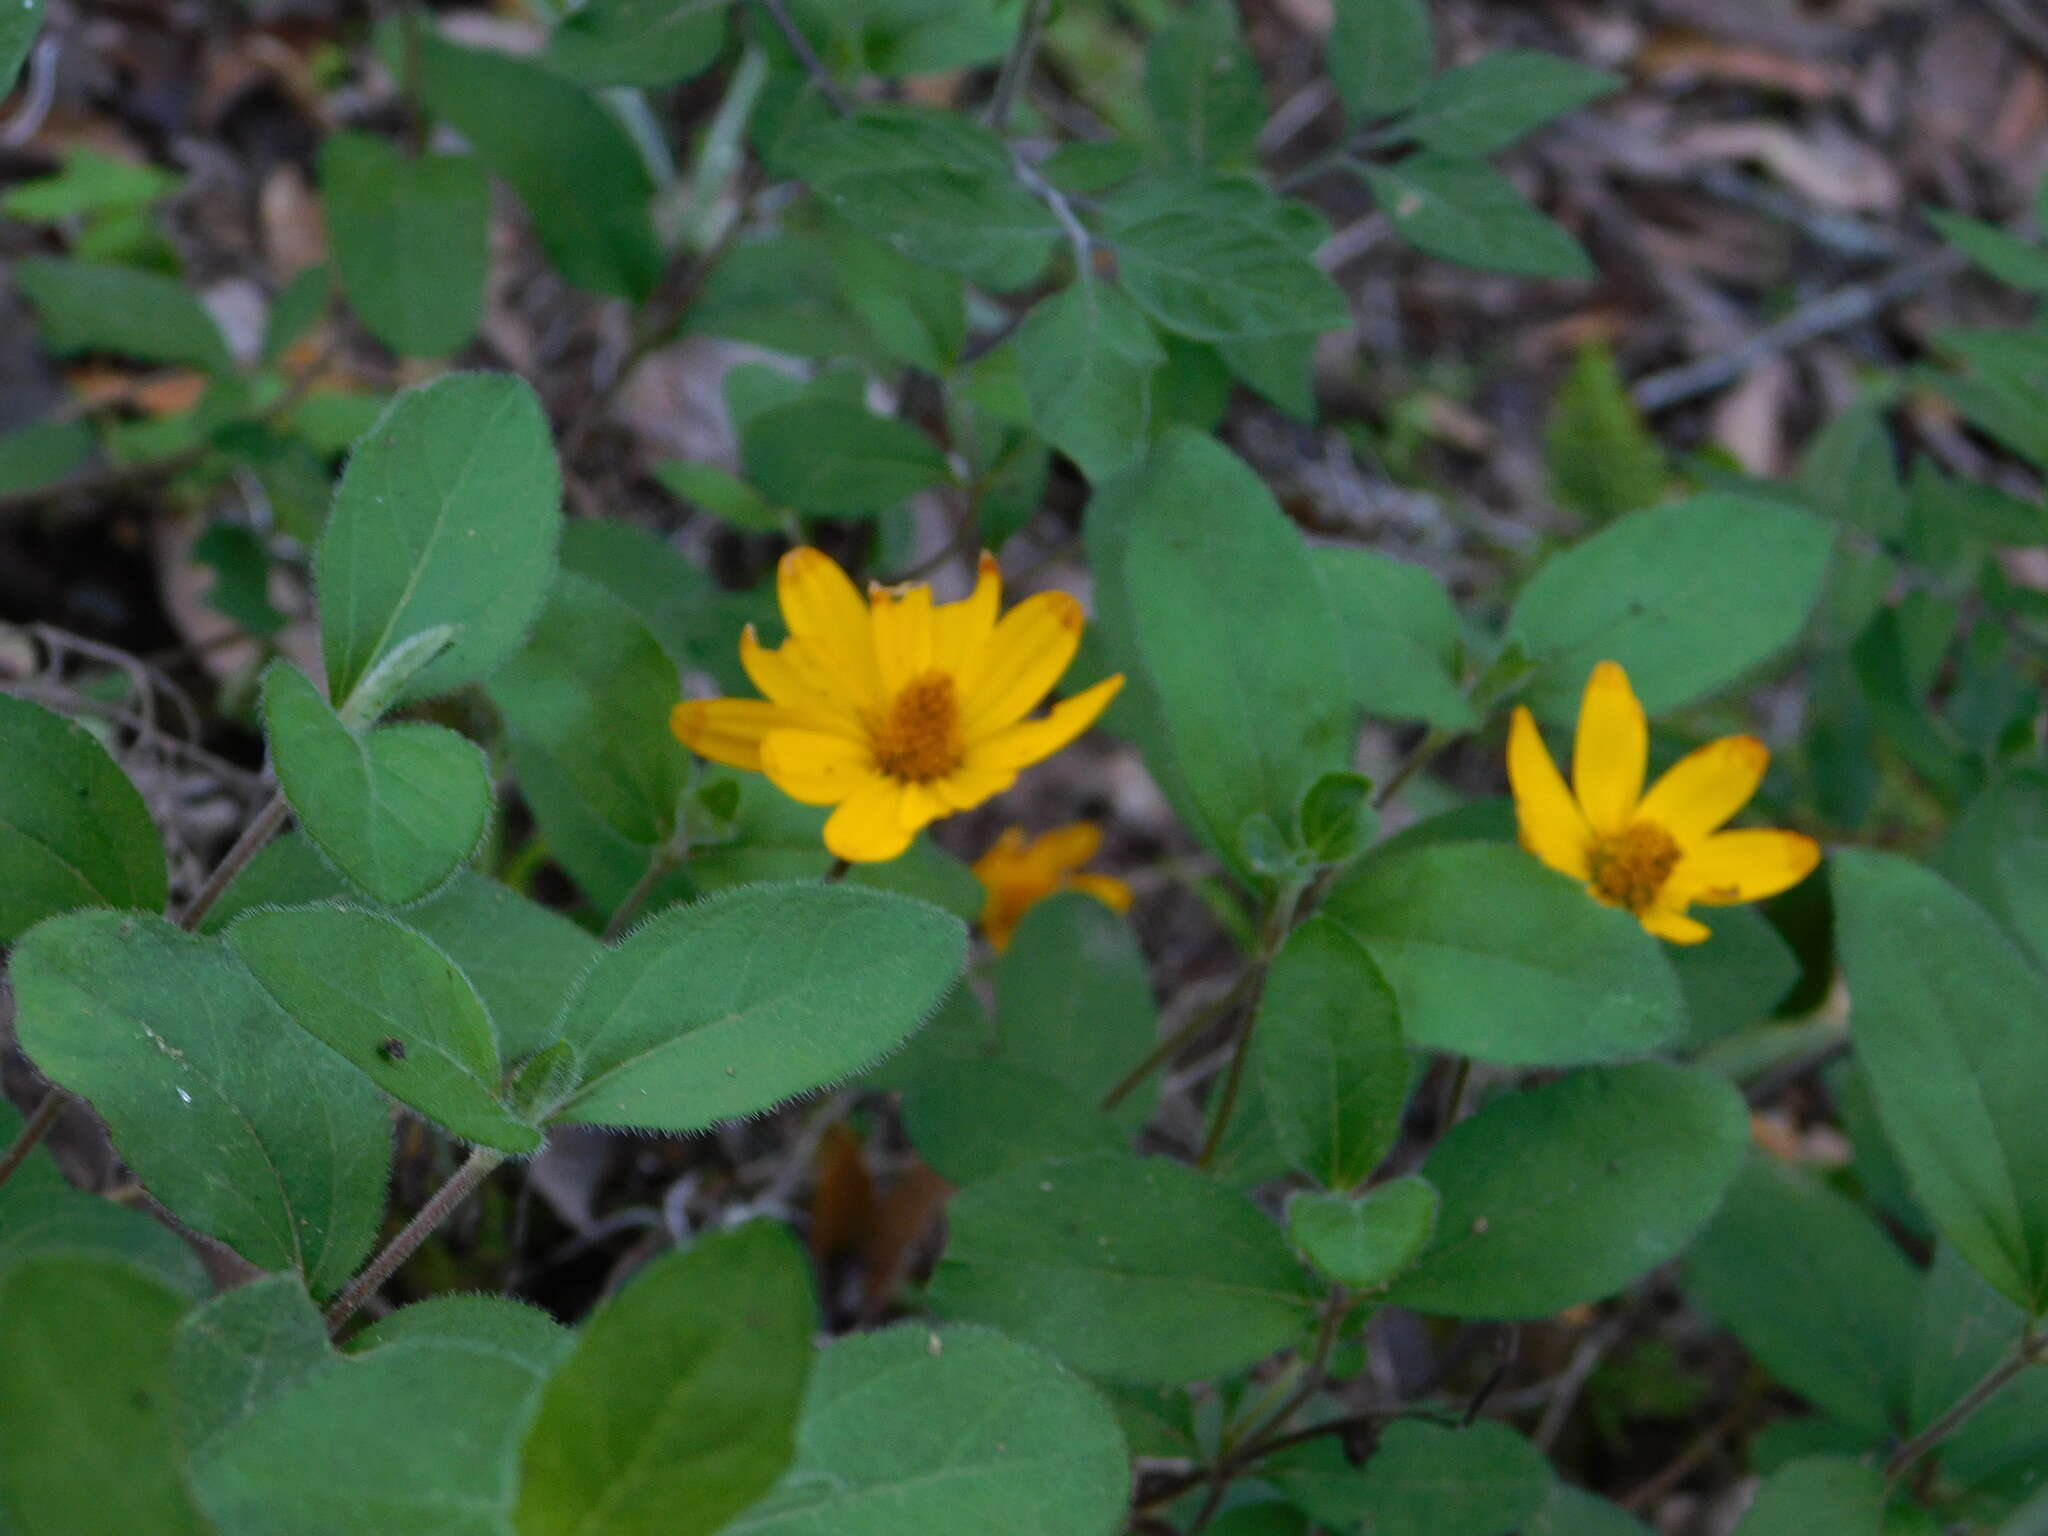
(473, 1172)
(2030, 1351)
(1831, 312)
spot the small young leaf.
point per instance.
(727, 1007)
(448, 514)
(677, 1407)
(1949, 1020)
(1543, 975)
(2005, 257)
(1143, 1271)
(1331, 1061)
(824, 455)
(1687, 597)
(1086, 356)
(1568, 1192)
(409, 241)
(644, 43)
(1466, 211)
(1818, 1493)
(89, 306)
(391, 1005)
(569, 160)
(1602, 458)
(88, 1424)
(396, 809)
(592, 688)
(956, 1430)
(73, 831)
(242, 1126)
(1489, 103)
(1379, 55)
(1367, 1241)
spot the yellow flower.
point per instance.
(1018, 875)
(1652, 854)
(896, 709)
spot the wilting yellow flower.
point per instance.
(1018, 875)
(1652, 854)
(896, 709)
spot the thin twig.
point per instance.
(1016, 64)
(32, 1131)
(365, 1285)
(2031, 1350)
(1423, 754)
(1170, 1046)
(246, 847)
(807, 56)
(660, 865)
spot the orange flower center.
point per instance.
(1630, 867)
(918, 740)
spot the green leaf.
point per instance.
(919, 315)
(937, 187)
(912, 1430)
(243, 1127)
(497, 1325)
(2006, 257)
(420, 1437)
(1949, 1021)
(1819, 1493)
(1997, 851)
(43, 453)
(694, 619)
(1379, 55)
(295, 309)
(678, 1406)
(1493, 955)
(1367, 1241)
(73, 831)
(1331, 1061)
(1814, 1289)
(1208, 103)
(1086, 356)
(86, 306)
(397, 809)
(1489, 103)
(1466, 211)
(721, 493)
(1218, 272)
(1736, 978)
(570, 162)
(447, 514)
(1425, 1480)
(1570, 1511)
(18, 26)
(240, 1352)
(409, 237)
(824, 455)
(593, 689)
(391, 1005)
(1142, 1271)
(1602, 458)
(1401, 636)
(972, 1120)
(88, 1425)
(1687, 597)
(727, 1007)
(523, 959)
(1568, 1192)
(241, 576)
(1074, 1001)
(644, 43)
(1237, 713)
(1965, 1328)
(1850, 471)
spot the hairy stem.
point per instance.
(660, 865)
(365, 1285)
(1272, 934)
(2030, 1351)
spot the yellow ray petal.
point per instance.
(919, 807)
(966, 787)
(1611, 751)
(1024, 657)
(1107, 889)
(1730, 867)
(824, 610)
(1705, 787)
(1552, 825)
(1071, 846)
(816, 768)
(728, 730)
(960, 629)
(1033, 741)
(866, 829)
(791, 675)
(1670, 923)
(902, 626)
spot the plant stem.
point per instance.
(32, 1131)
(838, 871)
(253, 837)
(365, 1285)
(2031, 1350)
(1420, 758)
(807, 56)
(1272, 934)
(660, 865)
(1165, 1050)
(1017, 64)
